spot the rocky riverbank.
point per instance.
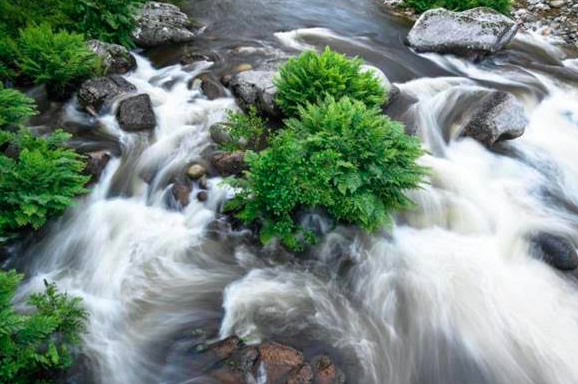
(553, 18)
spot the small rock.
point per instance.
(161, 23)
(219, 134)
(96, 162)
(228, 164)
(95, 93)
(302, 375)
(557, 3)
(196, 171)
(555, 250)
(223, 349)
(212, 88)
(278, 360)
(181, 193)
(116, 59)
(243, 68)
(325, 372)
(136, 113)
(202, 196)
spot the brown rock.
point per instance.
(96, 162)
(228, 164)
(196, 171)
(181, 193)
(302, 375)
(325, 372)
(223, 349)
(202, 196)
(278, 360)
(243, 68)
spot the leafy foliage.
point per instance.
(245, 130)
(15, 107)
(502, 6)
(311, 76)
(55, 58)
(339, 155)
(34, 346)
(40, 183)
(108, 20)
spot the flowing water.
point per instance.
(449, 296)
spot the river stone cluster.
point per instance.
(472, 32)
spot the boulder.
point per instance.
(94, 93)
(325, 372)
(228, 164)
(116, 59)
(499, 116)
(95, 164)
(278, 361)
(211, 87)
(136, 113)
(219, 134)
(385, 83)
(161, 23)
(468, 33)
(555, 250)
(256, 88)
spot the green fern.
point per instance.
(15, 107)
(502, 6)
(341, 156)
(35, 346)
(310, 77)
(246, 131)
(40, 183)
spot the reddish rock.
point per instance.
(228, 164)
(302, 375)
(325, 372)
(181, 193)
(278, 360)
(223, 349)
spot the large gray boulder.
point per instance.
(116, 59)
(499, 116)
(256, 88)
(95, 93)
(469, 33)
(136, 113)
(161, 23)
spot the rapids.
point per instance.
(449, 295)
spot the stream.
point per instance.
(450, 295)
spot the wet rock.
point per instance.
(325, 372)
(212, 88)
(193, 57)
(237, 368)
(219, 133)
(202, 196)
(385, 83)
(95, 164)
(136, 113)
(161, 23)
(472, 32)
(555, 250)
(256, 88)
(302, 375)
(223, 349)
(243, 67)
(181, 192)
(196, 171)
(228, 164)
(500, 116)
(94, 93)
(203, 183)
(116, 59)
(278, 360)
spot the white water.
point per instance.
(451, 295)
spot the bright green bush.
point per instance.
(245, 130)
(108, 20)
(341, 156)
(311, 76)
(15, 107)
(40, 183)
(502, 6)
(33, 347)
(59, 59)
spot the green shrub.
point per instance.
(502, 6)
(15, 107)
(59, 59)
(8, 53)
(311, 76)
(341, 156)
(33, 347)
(108, 20)
(40, 183)
(245, 130)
